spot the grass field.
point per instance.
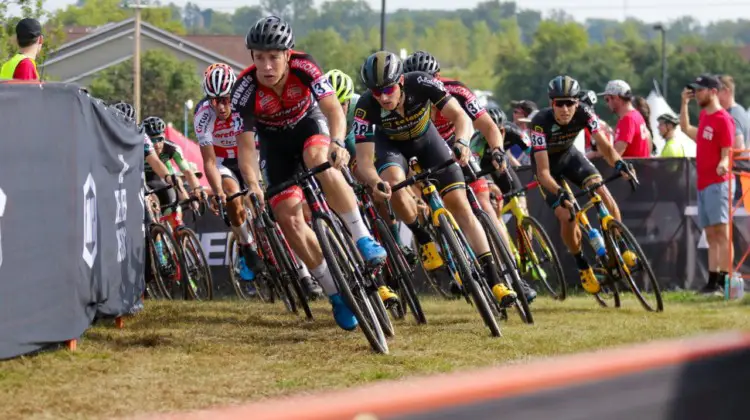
(181, 355)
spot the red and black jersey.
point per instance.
(466, 99)
(262, 109)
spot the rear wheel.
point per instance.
(539, 260)
(283, 259)
(469, 282)
(170, 263)
(344, 275)
(242, 287)
(199, 281)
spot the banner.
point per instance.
(661, 213)
(71, 217)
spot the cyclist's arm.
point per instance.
(489, 130)
(248, 158)
(605, 148)
(209, 167)
(453, 111)
(157, 165)
(331, 108)
(543, 174)
(366, 163)
(187, 172)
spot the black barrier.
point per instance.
(70, 215)
(661, 213)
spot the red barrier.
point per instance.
(418, 394)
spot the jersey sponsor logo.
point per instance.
(242, 91)
(461, 91)
(201, 126)
(322, 87)
(431, 81)
(708, 133)
(294, 92)
(264, 100)
(306, 66)
(360, 113)
(538, 129)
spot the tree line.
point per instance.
(495, 46)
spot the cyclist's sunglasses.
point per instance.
(567, 103)
(217, 101)
(386, 90)
(157, 139)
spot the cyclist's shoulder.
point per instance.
(512, 129)
(421, 79)
(365, 105)
(303, 63)
(543, 120)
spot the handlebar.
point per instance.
(590, 190)
(223, 210)
(296, 179)
(422, 175)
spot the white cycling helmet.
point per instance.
(218, 80)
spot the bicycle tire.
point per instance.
(508, 266)
(462, 265)
(381, 313)
(175, 253)
(334, 253)
(634, 246)
(398, 266)
(529, 222)
(196, 251)
(153, 287)
(609, 290)
(289, 272)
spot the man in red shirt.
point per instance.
(632, 139)
(714, 138)
(22, 66)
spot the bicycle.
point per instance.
(199, 281)
(505, 262)
(460, 258)
(528, 229)
(166, 260)
(612, 264)
(342, 257)
(396, 266)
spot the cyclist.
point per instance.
(167, 152)
(216, 128)
(149, 153)
(589, 97)
(289, 101)
(553, 132)
(497, 182)
(399, 106)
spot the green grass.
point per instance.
(183, 355)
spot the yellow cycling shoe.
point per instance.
(630, 258)
(505, 296)
(387, 296)
(589, 281)
(431, 259)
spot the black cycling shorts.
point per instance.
(281, 151)
(571, 165)
(430, 150)
(229, 168)
(165, 196)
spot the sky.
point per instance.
(648, 10)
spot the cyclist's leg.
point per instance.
(338, 192)
(287, 209)
(239, 222)
(451, 185)
(392, 166)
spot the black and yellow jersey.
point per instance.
(420, 91)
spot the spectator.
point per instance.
(714, 137)
(742, 124)
(673, 146)
(521, 111)
(631, 133)
(641, 105)
(22, 66)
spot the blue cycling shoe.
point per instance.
(373, 253)
(342, 314)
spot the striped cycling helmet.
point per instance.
(381, 69)
(218, 80)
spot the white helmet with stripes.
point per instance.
(218, 80)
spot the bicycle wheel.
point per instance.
(381, 313)
(199, 282)
(344, 274)
(289, 271)
(153, 281)
(173, 273)
(618, 235)
(398, 268)
(468, 280)
(263, 290)
(606, 273)
(509, 272)
(553, 278)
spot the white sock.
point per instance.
(302, 272)
(355, 224)
(243, 234)
(323, 275)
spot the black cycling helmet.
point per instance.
(154, 126)
(421, 61)
(270, 33)
(498, 116)
(588, 97)
(670, 118)
(125, 108)
(381, 69)
(563, 87)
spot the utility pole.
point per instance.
(382, 25)
(137, 58)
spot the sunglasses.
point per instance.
(386, 90)
(217, 101)
(157, 139)
(565, 103)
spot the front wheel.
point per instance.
(170, 263)
(537, 252)
(344, 274)
(199, 282)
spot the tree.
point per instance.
(100, 12)
(166, 84)
(245, 17)
(53, 33)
